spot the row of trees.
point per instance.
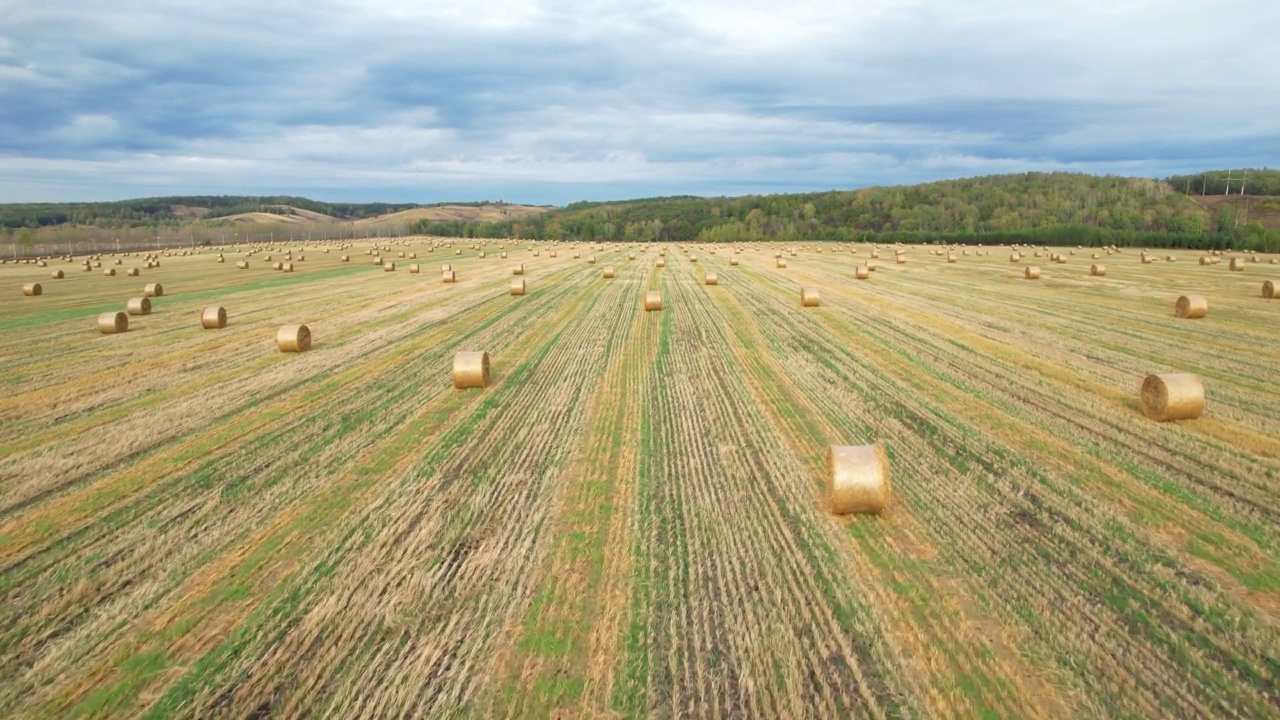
(1060, 208)
(1251, 181)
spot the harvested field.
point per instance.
(632, 518)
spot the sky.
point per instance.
(549, 102)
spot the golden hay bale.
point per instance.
(139, 306)
(293, 338)
(98, 264)
(517, 270)
(457, 252)
(577, 255)
(153, 290)
(1273, 261)
(1191, 307)
(41, 263)
(1236, 265)
(134, 272)
(1174, 396)
(591, 260)
(1015, 257)
(1206, 260)
(470, 369)
(875, 254)
(243, 264)
(57, 275)
(1170, 258)
(414, 269)
(288, 267)
(448, 276)
(550, 254)
(32, 289)
(809, 297)
(213, 318)
(631, 256)
(858, 479)
(711, 279)
(652, 300)
(481, 255)
(1098, 270)
(901, 259)
(951, 258)
(517, 287)
(733, 262)
(277, 265)
(862, 272)
(109, 272)
(221, 259)
(389, 267)
(608, 272)
(661, 263)
(110, 323)
(780, 262)
(1095, 256)
(1269, 290)
(1031, 272)
(345, 258)
(402, 255)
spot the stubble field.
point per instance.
(631, 520)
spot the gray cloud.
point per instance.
(555, 101)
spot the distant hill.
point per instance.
(213, 209)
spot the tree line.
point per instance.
(1052, 208)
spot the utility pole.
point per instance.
(1228, 190)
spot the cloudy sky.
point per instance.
(551, 101)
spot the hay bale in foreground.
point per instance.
(661, 263)
(1174, 396)
(733, 262)
(809, 297)
(448, 276)
(1236, 265)
(517, 287)
(1191, 307)
(652, 300)
(711, 279)
(293, 338)
(243, 264)
(138, 306)
(1031, 272)
(781, 262)
(862, 272)
(1268, 289)
(608, 272)
(110, 323)
(858, 479)
(213, 318)
(1098, 270)
(414, 269)
(288, 267)
(470, 369)
(32, 289)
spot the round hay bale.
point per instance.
(110, 323)
(1269, 289)
(518, 269)
(951, 258)
(41, 263)
(470, 369)
(288, 267)
(293, 338)
(1206, 260)
(109, 272)
(1174, 396)
(652, 300)
(901, 259)
(875, 254)
(733, 262)
(139, 306)
(135, 272)
(608, 272)
(661, 263)
(414, 269)
(1236, 265)
(577, 255)
(221, 259)
(517, 287)
(809, 297)
(389, 267)
(711, 279)
(277, 265)
(57, 275)
(862, 273)
(1015, 257)
(780, 262)
(448, 276)
(1170, 258)
(1098, 270)
(345, 258)
(858, 479)
(502, 256)
(1031, 272)
(402, 255)
(1096, 256)
(153, 290)
(631, 256)
(213, 318)
(32, 289)
(1191, 307)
